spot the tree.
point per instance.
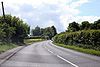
(22, 30)
(13, 29)
(2, 32)
(73, 27)
(97, 24)
(36, 31)
(42, 31)
(54, 32)
(85, 25)
(48, 32)
(92, 26)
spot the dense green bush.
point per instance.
(13, 29)
(84, 38)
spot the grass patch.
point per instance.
(30, 41)
(6, 46)
(80, 49)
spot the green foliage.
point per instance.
(6, 46)
(13, 29)
(80, 49)
(97, 24)
(84, 38)
(73, 27)
(85, 35)
(46, 33)
(2, 32)
(36, 31)
(54, 32)
(85, 25)
(31, 41)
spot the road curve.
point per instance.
(45, 54)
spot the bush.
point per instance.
(85, 38)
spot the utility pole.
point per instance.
(3, 11)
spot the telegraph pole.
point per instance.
(3, 11)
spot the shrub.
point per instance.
(84, 38)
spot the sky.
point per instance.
(59, 13)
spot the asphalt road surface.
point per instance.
(45, 54)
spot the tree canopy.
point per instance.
(48, 32)
(13, 29)
(85, 25)
(73, 27)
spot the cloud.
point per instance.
(48, 12)
(65, 20)
(78, 3)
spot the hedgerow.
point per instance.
(85, 38)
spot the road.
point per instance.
(45, 54)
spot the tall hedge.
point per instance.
(84, 38)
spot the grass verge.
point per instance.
(80, 49)
(6, 46)
(30, 41)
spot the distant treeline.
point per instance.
(86, 35)
(85, 25)
(13, 29)
(46, 33)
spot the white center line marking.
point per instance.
(62, 58)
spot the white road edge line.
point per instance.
(67, 61)
(62, 58)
